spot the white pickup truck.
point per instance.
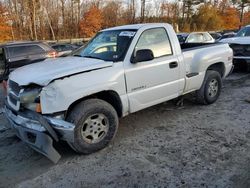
(120, 71)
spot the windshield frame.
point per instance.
(121, 56)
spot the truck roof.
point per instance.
(136, 26)
(19, 43)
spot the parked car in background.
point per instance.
(79, 44)
(195, 38)
(64, 49)
(200, 37)
(17, 54)
(122, 70)
(227, 35)
(215, 35)
(182, 37)
(241, 48)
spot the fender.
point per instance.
(61, 93)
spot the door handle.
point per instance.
(173, 65)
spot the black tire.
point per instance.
(81, 114)
(203, 95)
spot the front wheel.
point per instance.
(96, 125)
(210, 89)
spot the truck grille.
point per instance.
(13, 95)
(241, 50)
(14, 87)
(13, 100)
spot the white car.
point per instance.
(195, 37)
(80, 98)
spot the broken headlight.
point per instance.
(30, 95)
(30, 98)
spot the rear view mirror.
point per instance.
(143, 55)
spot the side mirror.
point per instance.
(142, 55)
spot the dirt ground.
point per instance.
(162, 146)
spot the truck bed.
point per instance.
(193, 46)
(192, 54)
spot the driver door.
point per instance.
(155, 81)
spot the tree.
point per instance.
(91, 22)
(187, 11)
(63, 16)
(5, 29)
(143, 6)
(31, 7)
(246, 19)
(132, 11)
(207, 18)
(57, 19)
(241, 5)
(230, 18)
(171, 11)
(111, 13)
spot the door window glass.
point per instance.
(156, 40)
(17, 51)
(34, 49)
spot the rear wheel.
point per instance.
(96, 125)
(210, 89)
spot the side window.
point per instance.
(68, 47)
(207, 37)
(156, 40)
(58, 48)
(34, 49)
(25, 50)
(65, 47)
(17, 51)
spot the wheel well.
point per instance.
(219, 67)
(109, 96)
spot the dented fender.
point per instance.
(61, 93)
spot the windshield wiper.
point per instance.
(89, 56)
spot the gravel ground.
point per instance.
(162, 146)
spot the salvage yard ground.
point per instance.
(162, 146)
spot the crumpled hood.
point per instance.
(237, 40)
(44, 72)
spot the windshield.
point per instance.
(108, 45)
(244, 32)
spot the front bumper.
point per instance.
(39, 131)
(242, 63)
(242, 57)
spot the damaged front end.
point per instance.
(241, 57)
(37, 130)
